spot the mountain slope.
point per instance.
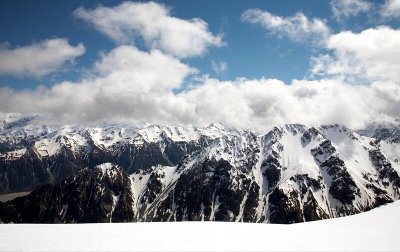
(35, 155)
(292, 173)
(93, 195)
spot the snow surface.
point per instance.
(376, 230)
(391, 152)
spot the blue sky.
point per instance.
(48, 46)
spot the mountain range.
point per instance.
(141, 172)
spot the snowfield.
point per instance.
(376, 230)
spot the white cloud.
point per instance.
(153, 23)
(132, 84)
(129, 84)
(38, 59)
(347, 8)
(126, 83)
(297, 27)
(262, 103)
(219, 67)
(391, 8)
(371, 55)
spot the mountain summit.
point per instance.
(119, 172)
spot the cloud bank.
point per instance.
(136, 85)
(127, 83)
(38, 59)
(153, 23)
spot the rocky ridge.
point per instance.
(292, 173)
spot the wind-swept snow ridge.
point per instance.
(375, 230)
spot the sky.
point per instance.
(247, 64)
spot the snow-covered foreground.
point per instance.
(377, 230)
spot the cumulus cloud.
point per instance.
(347, 8)
(391, 9)
(153, 23)
(371, 55)
(297, 27)
(126, 83)
(265, 102)
(131, 84)
(38, 59)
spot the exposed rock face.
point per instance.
(290, 174)
(383, 131)
(102, 194)
(35, 155)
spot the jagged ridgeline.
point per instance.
(123, 173)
